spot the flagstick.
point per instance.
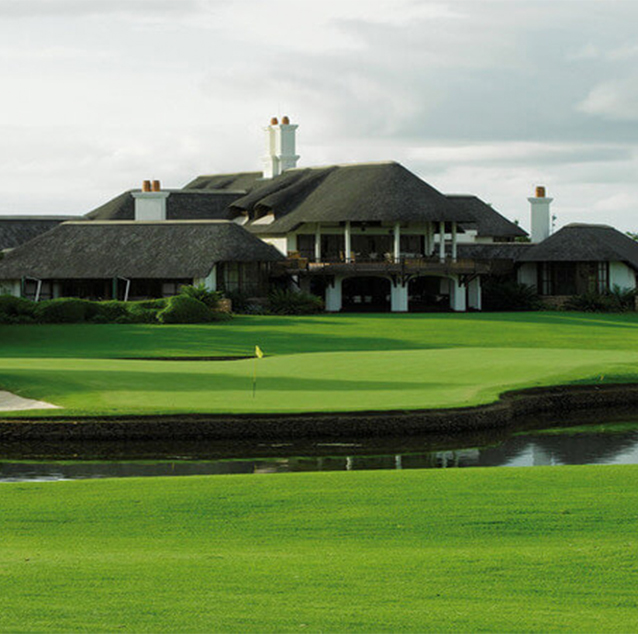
(254, 376)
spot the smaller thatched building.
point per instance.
(580, 258)
(137, 260)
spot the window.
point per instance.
(603, 277)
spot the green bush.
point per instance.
(152, 304)
(139, 315)
(202, 294)
(507, 295)
(182, 309)
(614, 301)
(106, 312)
(285, 302)
(64, 310)
(16, 310)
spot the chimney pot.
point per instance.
(274, 121)
(540, 192)
(157, 186)
(146, 186)
(285, 120)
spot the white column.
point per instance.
(454, 242)
(457, 299)
(430, 239)
(442, 241)
(318, 243)
(347, 241)
(333, 296)
(399, 298)
(397, 241)
(474, 294)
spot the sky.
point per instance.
(483, 97)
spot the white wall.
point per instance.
(10, 287)
(279, 242)
(621, 275)
(209, 282)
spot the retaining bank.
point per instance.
(549, 403)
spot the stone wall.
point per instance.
(556, 302)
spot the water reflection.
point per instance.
(487, 449)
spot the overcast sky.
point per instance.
(482, 97)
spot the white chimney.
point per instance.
(280, 147)
(540, 215)
(150, 203)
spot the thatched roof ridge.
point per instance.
(192, 204)
(360, 192)
(160, 250)
(239, 181)
(17, 230)
(585, 243)
(489, 222)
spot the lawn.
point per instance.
(525, 550)
(321, 363)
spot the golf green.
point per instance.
(321, 363)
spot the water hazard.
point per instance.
(603, 443)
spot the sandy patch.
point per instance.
(12, 402)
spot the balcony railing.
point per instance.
(406, 263)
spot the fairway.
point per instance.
(324, 363)
(535, 550)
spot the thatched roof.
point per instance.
(16, 230)
(487, 220)
(180, 205)
(585, 243)
(360, 192)
(160, 250)
(513, 251)
(240, 181)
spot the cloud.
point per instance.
(520, 153)
(615, 100)
(89, 8)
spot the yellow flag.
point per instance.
(258, 353)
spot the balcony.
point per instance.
(388, 264)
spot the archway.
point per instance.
(366, 294)
(429, 294)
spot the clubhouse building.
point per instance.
(365, 237)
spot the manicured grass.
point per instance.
(514, 550)
(323, 363)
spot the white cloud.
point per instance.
(615, 100)
(83, 8)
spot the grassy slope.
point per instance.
(537, 550)
(349, 362)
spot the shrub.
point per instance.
(106, 312)
(616, 300)
(182, 309)
(240, 301)
(153, 304)
(285, 302)
(139, 315)
(202, 294)
(505, 295)
(16, 310)
(64, 310)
